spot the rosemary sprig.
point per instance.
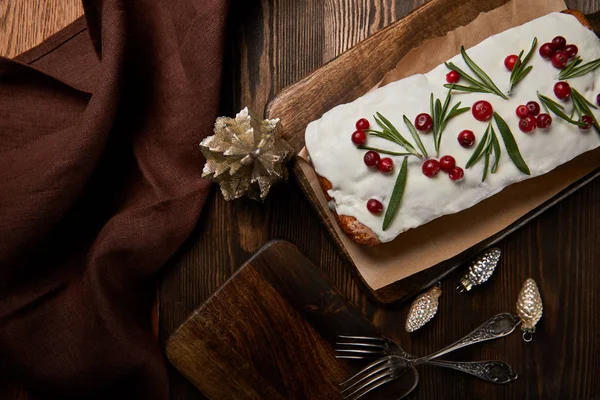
(389, 132)
(521, 70)
(557, 109)
(397, 194)
(576, 70)
(511, 145)
(489, 143)
(582, 105)
(572, 64)
(483, 84)
(441, 115)
(415, 135)
(383, 151)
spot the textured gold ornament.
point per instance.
(423, 309)
(246, 155)
(529, 308)
(480, 270)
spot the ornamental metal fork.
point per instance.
(391, 367)
(369, 348)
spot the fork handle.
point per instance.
(496, 327)
(491, 371)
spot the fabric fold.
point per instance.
(99, 186)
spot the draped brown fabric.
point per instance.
(99, 186)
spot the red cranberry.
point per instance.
(543, 121)
(423, 122)
(362, 124)
(522, 111)
(452, 77)
(482, 110)
(560, 59)
(456, 173)
(359, 138)
(559, 43)
(528, 124)
(589, 122)
(571, 50)
(534, 107)
(510, 61)
(386, 165)
(466, 138)
(447, 163)
(374, 206)
(598, 99)
(431, 168)
(562, 90)
(371, 158)
(546, 50)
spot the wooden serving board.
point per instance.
(268, 333)
(354, 73)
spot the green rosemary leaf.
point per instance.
(531, 51)
(572, 64)
(521, 69)
(486, 165)
(446, 103)
(457, 111)
(511, 145)
(481, 74)
(463, 74)
(557, 109)
(589, 103)
(522, 74)
(431, 105)
(516, 68)
(580, 70)
(583, 106)
(479, 149)
(415, 135)
(397, 194)
(497, 151)
(382, 151)
(462, 88)
(394, 132)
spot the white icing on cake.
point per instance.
(335, 157)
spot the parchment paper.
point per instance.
(418, 249)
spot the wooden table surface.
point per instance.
(272, 44)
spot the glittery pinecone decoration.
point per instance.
(529, 308)
(423, 309)
(480, 270)
(246, 155)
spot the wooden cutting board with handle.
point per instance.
(268, 333)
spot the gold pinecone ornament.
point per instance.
(246, 155)
(480, 270)
(423, 309)
(529, 308)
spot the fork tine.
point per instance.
(370, 385)
(359, 351)
(380, 346)
(371, 369)
(375, 339)
(351, 357)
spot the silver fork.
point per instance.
(369, 348)
(391, 367)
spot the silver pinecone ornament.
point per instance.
(529, 308)
(480, 270)
(246, 155)
(423, 309)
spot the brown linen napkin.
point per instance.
(99, 185)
